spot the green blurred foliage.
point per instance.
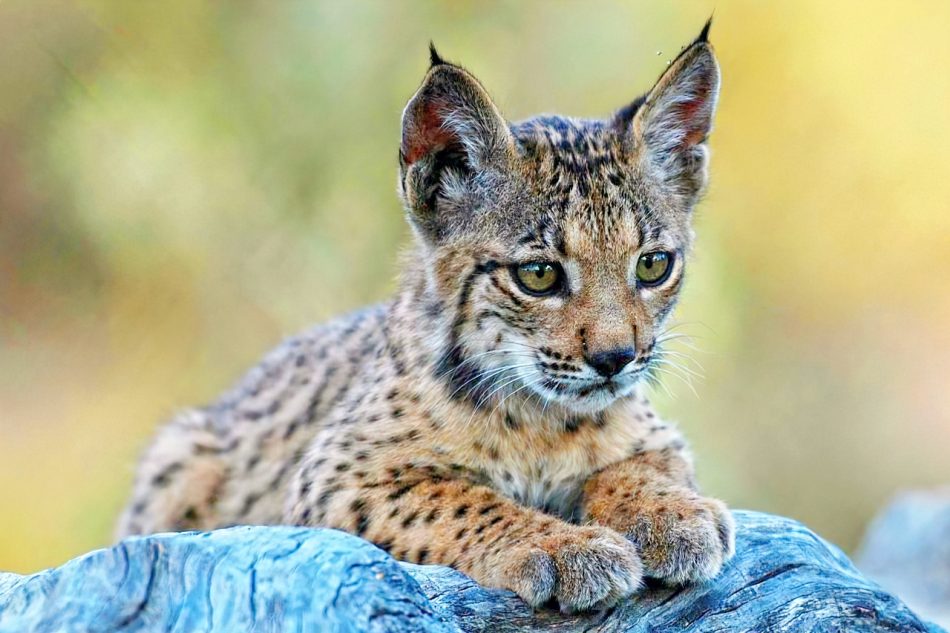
(182, 183)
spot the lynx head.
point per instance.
(556, 247)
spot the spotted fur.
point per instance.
(464, 422)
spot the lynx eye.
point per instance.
(538, 278)
(654, 268)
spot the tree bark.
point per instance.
(783, 578)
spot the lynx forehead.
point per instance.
(490, 416)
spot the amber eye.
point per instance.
(654, 268)
(538, 278)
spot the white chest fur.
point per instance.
(553, 484)
(548, 471)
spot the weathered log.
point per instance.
(783, 578)
(907, 550)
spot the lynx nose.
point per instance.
(609, 363)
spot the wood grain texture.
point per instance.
(784, 578)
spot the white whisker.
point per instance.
(670, 363)
(484, 375)
(524, 386)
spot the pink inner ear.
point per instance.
(427, 134)
(696, 130)
(693, 116)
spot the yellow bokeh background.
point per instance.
(183, 183)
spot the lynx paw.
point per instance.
(584, 568)
(683, 537)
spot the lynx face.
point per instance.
(556, 246)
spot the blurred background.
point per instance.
(184, 183)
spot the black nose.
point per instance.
(610, 362)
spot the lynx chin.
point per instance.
(491, 415)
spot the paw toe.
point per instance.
(692, 549)
(534, 578)
(597, 573)
(726, 529)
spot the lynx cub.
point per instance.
(490, 416)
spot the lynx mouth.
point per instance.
(531, 381)
(591, 394)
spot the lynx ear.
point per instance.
(450, 130)
(670, 124)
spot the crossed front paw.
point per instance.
(583, 568)
(682, 536)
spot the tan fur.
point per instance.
(462, 423)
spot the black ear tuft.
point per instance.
(434, 58)
(704, 34)
(670, 127)
(451, 130)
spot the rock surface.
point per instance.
(907, 550)
(784, 578)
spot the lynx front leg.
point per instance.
(651, 498)
(420, 516)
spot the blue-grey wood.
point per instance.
(784, 578)
(239, 579)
